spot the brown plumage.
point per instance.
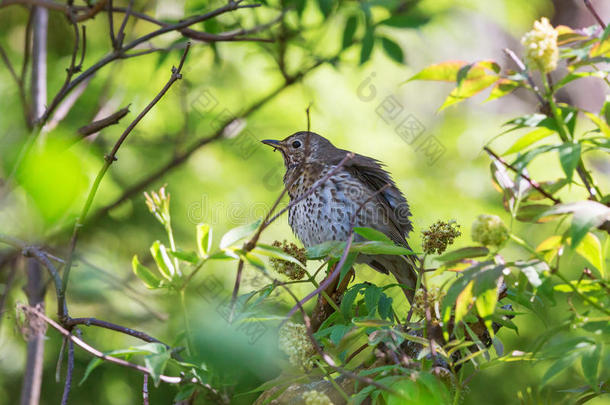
(326, 214)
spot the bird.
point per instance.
(358, 193)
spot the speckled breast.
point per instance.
(326, 213)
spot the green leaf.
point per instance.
(603, 125)
(332, 248)
(90, 367)
(463, 302)
(155, 363)
(367, 44)
(326, 7)
(560, 365)
(409, 20)
(348, 299)
(372, 234)
(502, 88)
(238, 233)
(531, 121)
(372, 294)
(569, 156)
(570, 77)
(393, 50)
(204, 239)
(380, 248)
(254, 260)
(590, 363)
(605, 111)
(529, 139)
(486, 293)
(467, 89)
(347, 265)
(350, 29)
(189, 257)
(446, 71)
(586, 215)
(149, 279)
(164, 263)
(591, 250)
(463, 253)
(531, 212)
(522, 161)
(385, 306)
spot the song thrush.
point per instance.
(349, 197)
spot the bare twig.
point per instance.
(82, 344)
(145, 390)
(102, 123)
(32, 379)
(39, 62)
(594, 13)
(520, 173)
(69, 371)
(121, 34)
(113, 41)
(109, 159)
(70, 323)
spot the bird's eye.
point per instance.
(296, 144)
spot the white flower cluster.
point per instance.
(294, 342)
(316, 398)
(541, 46)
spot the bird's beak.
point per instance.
(273, 143)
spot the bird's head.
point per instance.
(302, 147)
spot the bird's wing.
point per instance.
(370, 172)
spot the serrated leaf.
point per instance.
(350, 29)
(393, 50)
(237, 234)
(149, 279)
(162, 259)
(569, 156)
(371, 298)
(204, 239)
(348, 300)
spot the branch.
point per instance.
(594, 13)
(102, 123)
(68, 383)
(117, 54)
(520, 173)
(82, 344)
(70, 323)
(109, 159)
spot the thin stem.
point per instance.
(584, 297)
(187, 324)
(595, 15)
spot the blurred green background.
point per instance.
(235, 179)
